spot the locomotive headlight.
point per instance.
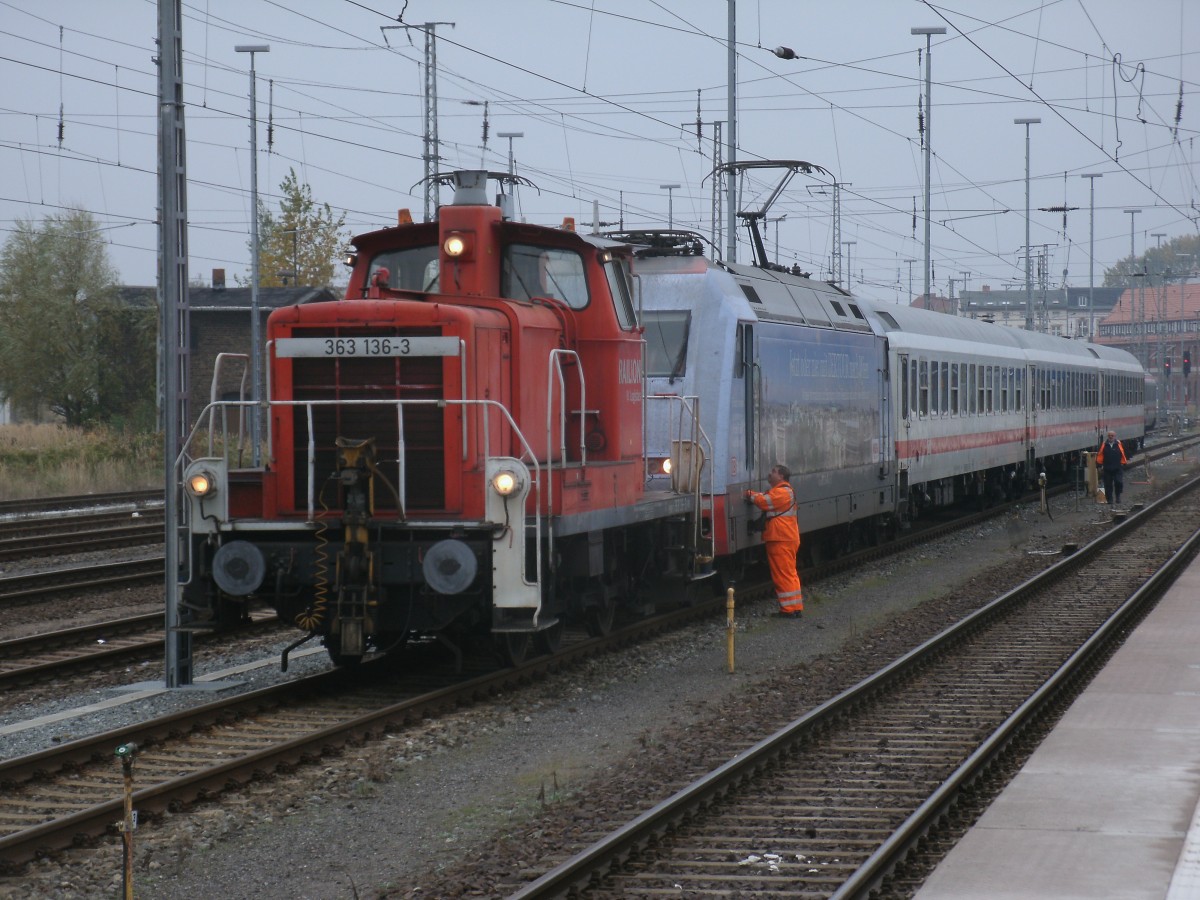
(200, 482)
(659, 465)
(457, 245)
(505, 483)
(204, 485)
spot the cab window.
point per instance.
(528, 271)
(410, 269)
(620, 286)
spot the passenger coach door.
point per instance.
(1033, 399)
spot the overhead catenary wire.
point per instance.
(585, 115)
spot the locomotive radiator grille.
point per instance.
(381, 378)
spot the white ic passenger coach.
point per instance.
(880, 411)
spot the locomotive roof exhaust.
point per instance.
(470, 187)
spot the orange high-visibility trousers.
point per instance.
(781, 557)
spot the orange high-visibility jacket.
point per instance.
(780, 505)
(1112, 463)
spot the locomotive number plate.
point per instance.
(367, 346)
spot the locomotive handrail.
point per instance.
(690, 405)
(555, 373)
(212, 399)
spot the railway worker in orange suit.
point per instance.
(782, 537)
(1112, 461)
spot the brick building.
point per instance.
(220, 323)
(1160, 323)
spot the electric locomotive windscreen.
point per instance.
(666, 343)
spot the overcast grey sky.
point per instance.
(606, 95)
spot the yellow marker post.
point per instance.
(126, 753)
(730, 627)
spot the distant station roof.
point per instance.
(233, 299)
(1168, 303)
(207, 299)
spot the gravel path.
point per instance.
(424, 812)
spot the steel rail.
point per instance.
(79, 501)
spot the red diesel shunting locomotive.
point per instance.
(455, 448)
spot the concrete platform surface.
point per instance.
(1106, 808)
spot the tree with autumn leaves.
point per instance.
(302, 243)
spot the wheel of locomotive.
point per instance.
(732, 569)
(513, 646)
(697, 592)
(390, 641)
(343, 660)
(548, 641)
(599, 617)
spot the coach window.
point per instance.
(954, 377)
(1019, 383)
(971, 405)
(945, 395)
(904, 387)
(667, 342)
(912, 386)
(934, 388)
(977, 390)
(528, 271)
(924, 404)
(1003, 389)
(990, 385)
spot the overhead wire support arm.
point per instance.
(752, 218)
(432, 154)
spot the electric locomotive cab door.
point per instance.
(746, 371)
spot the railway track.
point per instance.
(104, 532)
(65, 579)
(34, 505)
(71, 793)
(296, 731)
(53, 654)
(832, 804)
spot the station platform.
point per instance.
(1107, 806)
